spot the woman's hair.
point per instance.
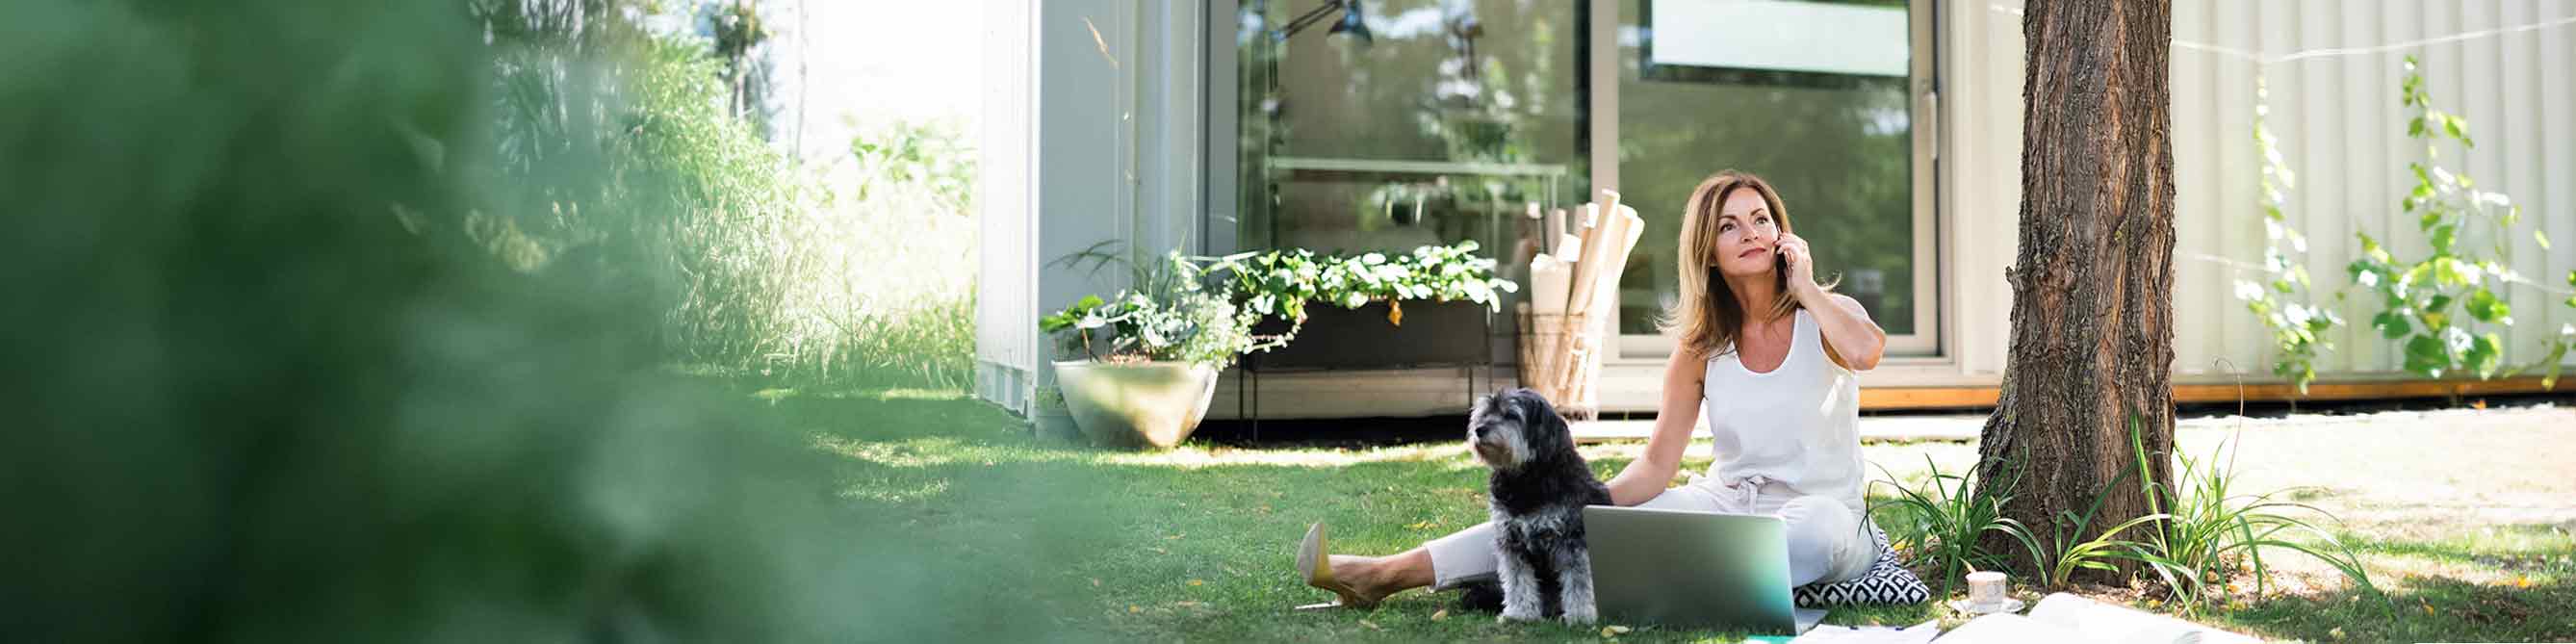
(1708, 317)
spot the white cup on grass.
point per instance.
(1985, 589)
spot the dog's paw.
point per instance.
(1580, 616)
(1511, 615)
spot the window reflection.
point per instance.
(1447, 123)
(1836, 146)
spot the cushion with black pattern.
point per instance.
(1885, 584)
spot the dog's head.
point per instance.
(1514, 426)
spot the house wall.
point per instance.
(2332, 68)
(1006, 289)
(1116, 148)
(1092, 135)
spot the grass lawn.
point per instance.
(997, 534)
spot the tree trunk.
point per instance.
(2092, 332)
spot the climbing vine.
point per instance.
(2446, 307)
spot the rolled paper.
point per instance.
(1555, 232)
(1548, 279)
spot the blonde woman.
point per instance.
(1770, 355)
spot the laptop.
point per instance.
(1693, 570)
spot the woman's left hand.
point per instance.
(1802, 269)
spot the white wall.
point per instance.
(1006, 349)
(1091, 134)
(2334, 108)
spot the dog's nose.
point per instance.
(1478, 431)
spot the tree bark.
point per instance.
(2092, 332)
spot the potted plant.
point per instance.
(1142, 365)
(1146, 360)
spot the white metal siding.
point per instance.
(1005, 288)
(2506, 65)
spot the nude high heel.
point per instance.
(1316, 566)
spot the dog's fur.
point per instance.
(1538, 489)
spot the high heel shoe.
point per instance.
(1316, 566)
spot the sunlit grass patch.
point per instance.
(1192, 544)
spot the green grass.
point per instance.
(1012, 536)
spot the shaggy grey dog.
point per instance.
(1539, 487)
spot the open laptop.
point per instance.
(1693, 570)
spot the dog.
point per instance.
(1538, 489)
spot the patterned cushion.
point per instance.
(1886, 583)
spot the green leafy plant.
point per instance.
(1176, 314)
(1282, 282)
(2418, 294)
(2201, 532)
(931, 153)
(1941, 525)
(2285, 300)
(1202, 309)
(2469, 236)
(2069, 551)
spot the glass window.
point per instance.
(1813, 97)
(1418, 122)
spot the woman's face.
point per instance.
(1746, 233)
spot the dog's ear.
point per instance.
(1536, 408)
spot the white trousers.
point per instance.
(1827, 541)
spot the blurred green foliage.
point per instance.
(340, 321)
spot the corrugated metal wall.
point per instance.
(1006, 287)
(2332, 68)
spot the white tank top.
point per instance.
(1796, 426)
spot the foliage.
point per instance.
(2195, 536)
(1943, 525)
(738, 32)
(1202, 309)
(2417, 294)
(932, 154)
(2200, 532)
(1175, 314)
(2068, 550)
(1196, 328)
(627, 166)
(2285, 300)
(1282, 282)
(280, 388)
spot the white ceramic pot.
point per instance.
(1154, 404)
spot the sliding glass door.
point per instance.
(1823, 100)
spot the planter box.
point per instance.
(1433, 334)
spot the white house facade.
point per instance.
(1892, 129)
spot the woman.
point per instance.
(1770, 354)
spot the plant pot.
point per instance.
(1155, 404)
(1050, 418)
